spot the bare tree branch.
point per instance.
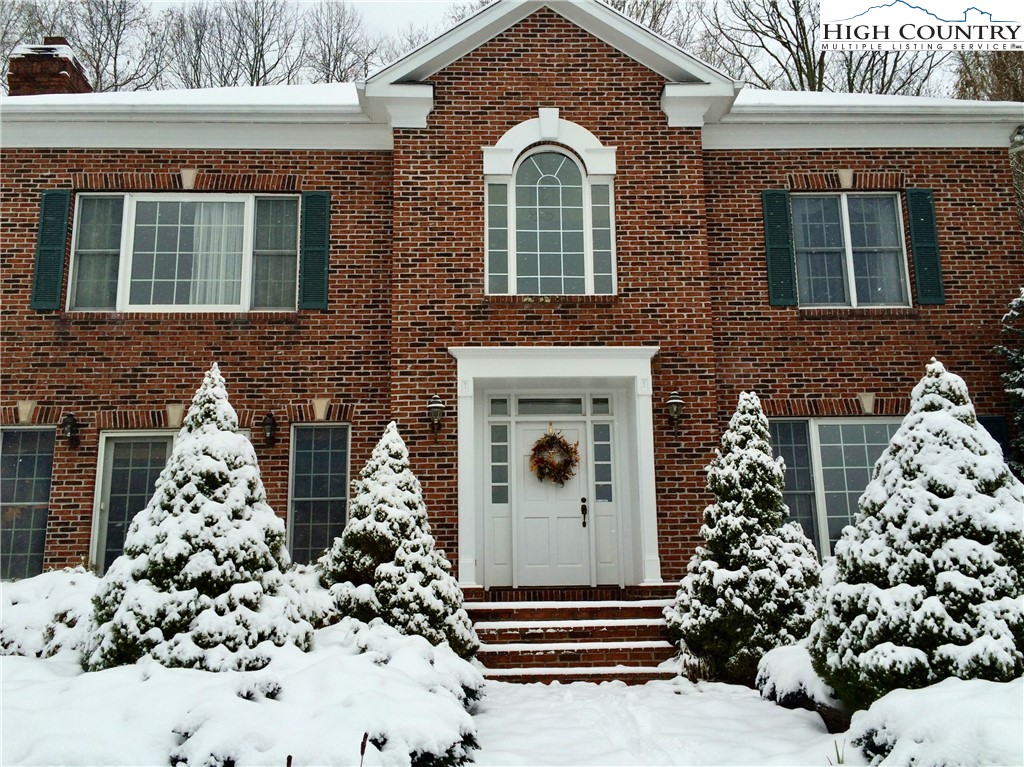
(118, 44)
(201, 52)
(338, 48)
(268, 37)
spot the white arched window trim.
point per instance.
(548, 133)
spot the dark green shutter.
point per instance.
(778, 245)
(53, 235)
(924, 243)
(313, 250)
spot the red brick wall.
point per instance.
(120, 370)
(690, 265)
(813, 362)
(690, 269)
(663, 290)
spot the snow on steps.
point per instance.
(573, 640)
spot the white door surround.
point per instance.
(625, 372)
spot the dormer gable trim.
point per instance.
(694, 94)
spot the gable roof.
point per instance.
(695, 92)
(603, 22)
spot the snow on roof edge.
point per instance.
(318, 96)
(757, 99)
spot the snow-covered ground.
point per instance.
(316, 706)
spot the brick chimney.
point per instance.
(47, 68)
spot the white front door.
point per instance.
(553, 532)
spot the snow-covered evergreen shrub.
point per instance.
(1013, 379)
(930, 577)
(385, 563)
(48, 614)
(198, 584)
(752, 585)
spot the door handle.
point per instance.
(583, 510)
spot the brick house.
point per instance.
(548, 218)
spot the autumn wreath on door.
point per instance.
(554, 458)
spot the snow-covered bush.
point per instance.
(385, 563)
(930, 577)
(48, 614)
(406, 695)
(953, 722)
(786, 676)
(1013, 379)
(752, 585)
(201, 582)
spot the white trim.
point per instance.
(691, 105)
(502, 158)
(289, 509)
(849, 273)
(131, 199)
(526, 366)
(588, 181)
(73, 131)
(855, 133)
(608, 25)
(98, 531)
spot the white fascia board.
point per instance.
(853, 136)
(639, 43)
(864, 122)
(143, 132)
(950, 125)
(454, 43)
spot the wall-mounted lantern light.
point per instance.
(70, 428)
(269, 424)
(1017, 140)
(674, 405)
(435, 412)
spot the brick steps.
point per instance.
(627, 674)
(598, 640)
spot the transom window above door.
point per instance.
(176, 252)
(550, 229)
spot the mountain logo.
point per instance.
(938, 25)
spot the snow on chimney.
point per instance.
(47, 68)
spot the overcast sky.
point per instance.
(387, 15)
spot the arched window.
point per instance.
(549, 214)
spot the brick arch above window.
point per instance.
(548, 127)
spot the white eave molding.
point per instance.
(275, 117)
(791, 120)
(692, 105)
